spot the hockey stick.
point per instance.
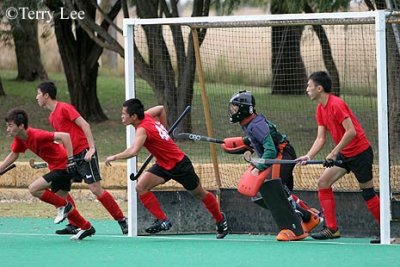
(197, 137)
(37, 165)
(6, 169)
(134, 177)
(254, 161)
(41, 165)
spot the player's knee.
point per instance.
(323, 184)
(199, 193)
(96, 189)
(140, 189)
(33, 191)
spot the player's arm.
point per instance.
(349, 134)
(317, 146)
(85, 126)
(159, 113)
(65, 139)
(11, 158)
(269, 152)
(140, 138)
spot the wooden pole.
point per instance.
(206, 108)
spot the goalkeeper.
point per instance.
(263, 137)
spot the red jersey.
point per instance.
(42, 143)
(62, 119)
(160, 144)
(332, 115)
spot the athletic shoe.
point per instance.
(124, 226)
(62, 212)
(326, 233)
(158, 226)
(84, 233)
(288, 235)
(375, 241)
(314, 221)
(222, 227)
(68, 230)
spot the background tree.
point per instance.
(286, 40)
(174, 93)
(172, 87)
(25, 35)
(286, 46)
(4, 38)
(2, 92)
(330, 64)
(80, 54)
(393, 71)
(109, 58)
(288, 70)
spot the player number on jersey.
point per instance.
(162, 131)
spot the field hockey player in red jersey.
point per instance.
(171, 163)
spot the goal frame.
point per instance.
(375, 17)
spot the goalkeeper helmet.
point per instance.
(241, 106)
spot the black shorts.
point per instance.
(183, 173)
(87, 171)
(59, 180)
(360, 165)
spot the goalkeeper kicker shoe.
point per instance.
(288, 235)
(222, 227)
(314, 221)
(158, 226)
(62, 212)
(84, 233)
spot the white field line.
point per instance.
(230, 238)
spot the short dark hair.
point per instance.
(18, 116)
(134, 106)
(323, 79)
(48, 87)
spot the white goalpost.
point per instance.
(130, 133)
(223, 55)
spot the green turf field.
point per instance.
(32, 242)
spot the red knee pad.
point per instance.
(249, 184)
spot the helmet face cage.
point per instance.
(240, 106)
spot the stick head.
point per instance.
(39, 165)
(175, 133)
(133, 177)
(247, 156)
(32, 163)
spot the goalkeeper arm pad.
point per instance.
(236, 145)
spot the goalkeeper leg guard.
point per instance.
(258, 200)
(283, 213)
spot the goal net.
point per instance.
(203, 61)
